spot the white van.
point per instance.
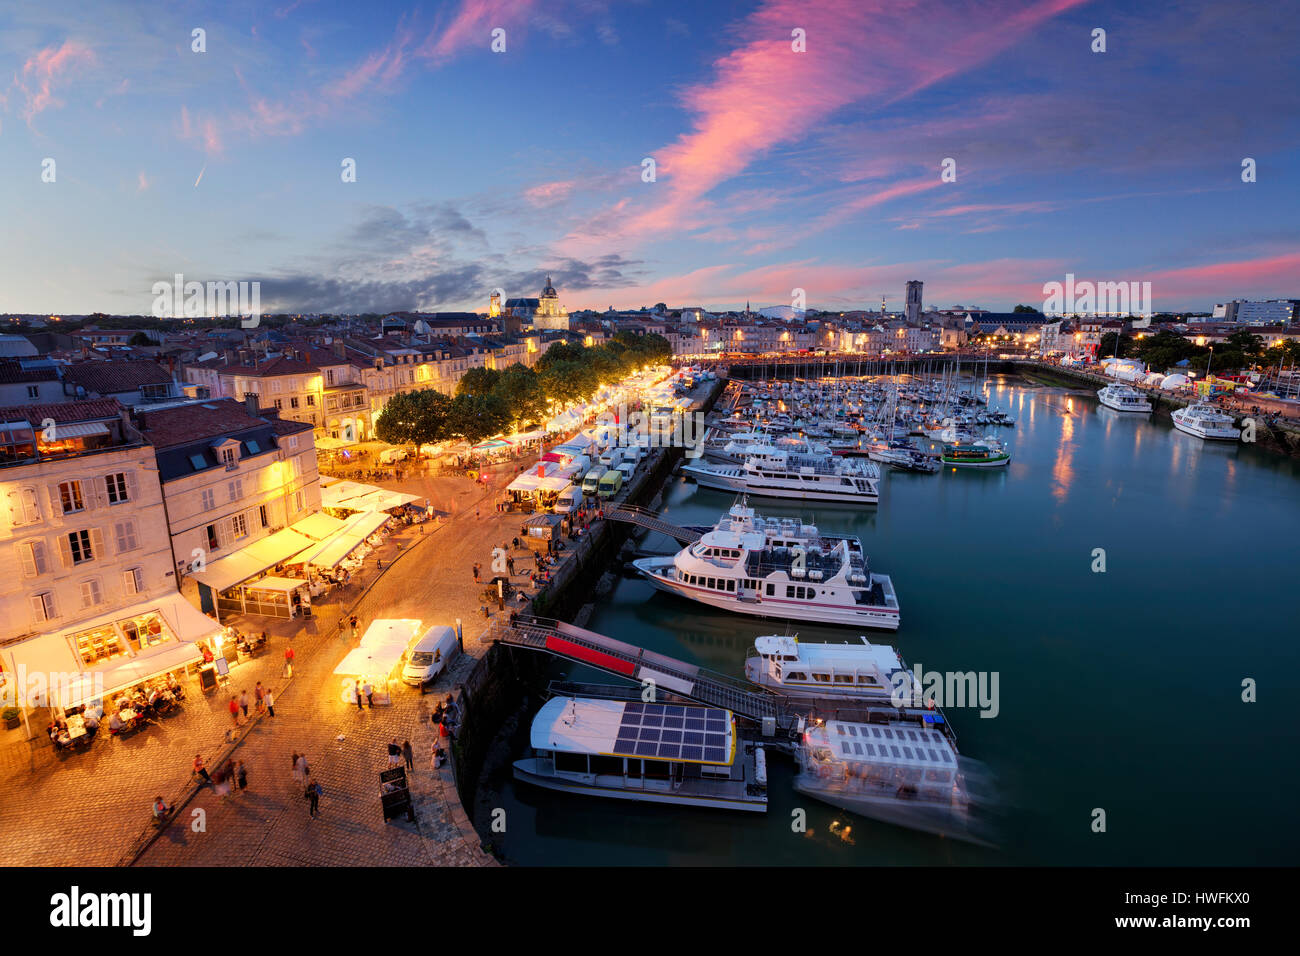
(569, 500)
(611, 458)
(628, 468)
(391, 456)
(428, 657)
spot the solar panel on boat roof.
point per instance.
(673, 732)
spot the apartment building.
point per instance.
(92, 604)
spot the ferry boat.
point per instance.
(653, 752)
(1205, 421)
(982, 453)
(777, 567)
(896, 772)
(797, 668)
(781, 474)
(1124, 398)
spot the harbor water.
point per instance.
(1120, 692)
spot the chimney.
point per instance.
(338, 347)
(250, 404)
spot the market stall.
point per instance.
(376, 660)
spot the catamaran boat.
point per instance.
(777, 567)
(897, 772)
(984, 453)
(797, 668)
(1205, 421)
(1124, 398)
(782, 474)
(653, 752)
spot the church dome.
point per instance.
(549, 292)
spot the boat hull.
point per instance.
(1119, 407)
(736, 480)
(532, 770)
(1209, 434)
(873, 616)
(940, 821)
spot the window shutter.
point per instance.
(132, 487)
(31, 508)
(29, 559)
(97, 544)
(38, 556)
(38, 609)
(65, 551)
(56, 504)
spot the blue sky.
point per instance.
(775, 170)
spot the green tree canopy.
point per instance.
(478, 381)
(415, 418)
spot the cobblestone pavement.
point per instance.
(90, 808)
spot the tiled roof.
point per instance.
(12, 372)
(64, 413)
(180, 425)
(108, 378)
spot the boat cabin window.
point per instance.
(771, 590)
(570, 763)
(657, 769)
(864, 679)
(844, 678)
(633, 767)
(731, 586)
(822, 678)
(796, 675)
(607, 765)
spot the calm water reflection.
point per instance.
(1119, 690)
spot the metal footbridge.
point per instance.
(645, 518)
(741, 697)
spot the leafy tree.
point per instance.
(1026, 308)
(415, 418)
(1245, 342)
(141, 339)
(1106, 348)
(476, 417)
(521, 389)
(478, 381)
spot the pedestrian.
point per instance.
(221, 781)
(243, 702)
(394, 753)
(200, 769)
(357, 690)
(408, 755)
(434, 756)
(380, 563)
(510, 565)
(476, 572)
(293, 762)
(304, 771)
(353, 622)
(241, 776)
(370, 694)
(270, 703)
(288, 661)
(313, 795)
(234, 710)
(260, 696)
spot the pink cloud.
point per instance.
(546, 194)
(43, 68)
(762, 94)
(1269, 275)
(472, 26)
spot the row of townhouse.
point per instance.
(108, 514)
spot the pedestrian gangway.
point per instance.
(645, 518)
(741, 697)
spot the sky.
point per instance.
(775, 169)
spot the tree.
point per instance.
(1026, 308)
(521, 389)
(478, 381)
(141, 339)
(415, 418)
(476, 417)
(1245, 342)
(1106, 348)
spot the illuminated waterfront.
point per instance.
(1119, 691)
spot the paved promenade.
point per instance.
(93, 808)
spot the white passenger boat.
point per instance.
(778, 567)
(1124, 398)
(797, 668)
(785, 475)
(896, 772)
(657, 753)
(1205, 421)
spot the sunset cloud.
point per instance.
(44, 69)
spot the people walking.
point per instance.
(369, 691)
(477, 566)
(270, 702)
(243, 702)
(302, 771)
(357, 690)
(234, 710)
(259, 696)
(221, 781)
(313, 795)
(241, 776)
(353, 621)
(297, 773)
(200, 769)
(288, 661)
(510, 565)
(408, 755)
(394, 753)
